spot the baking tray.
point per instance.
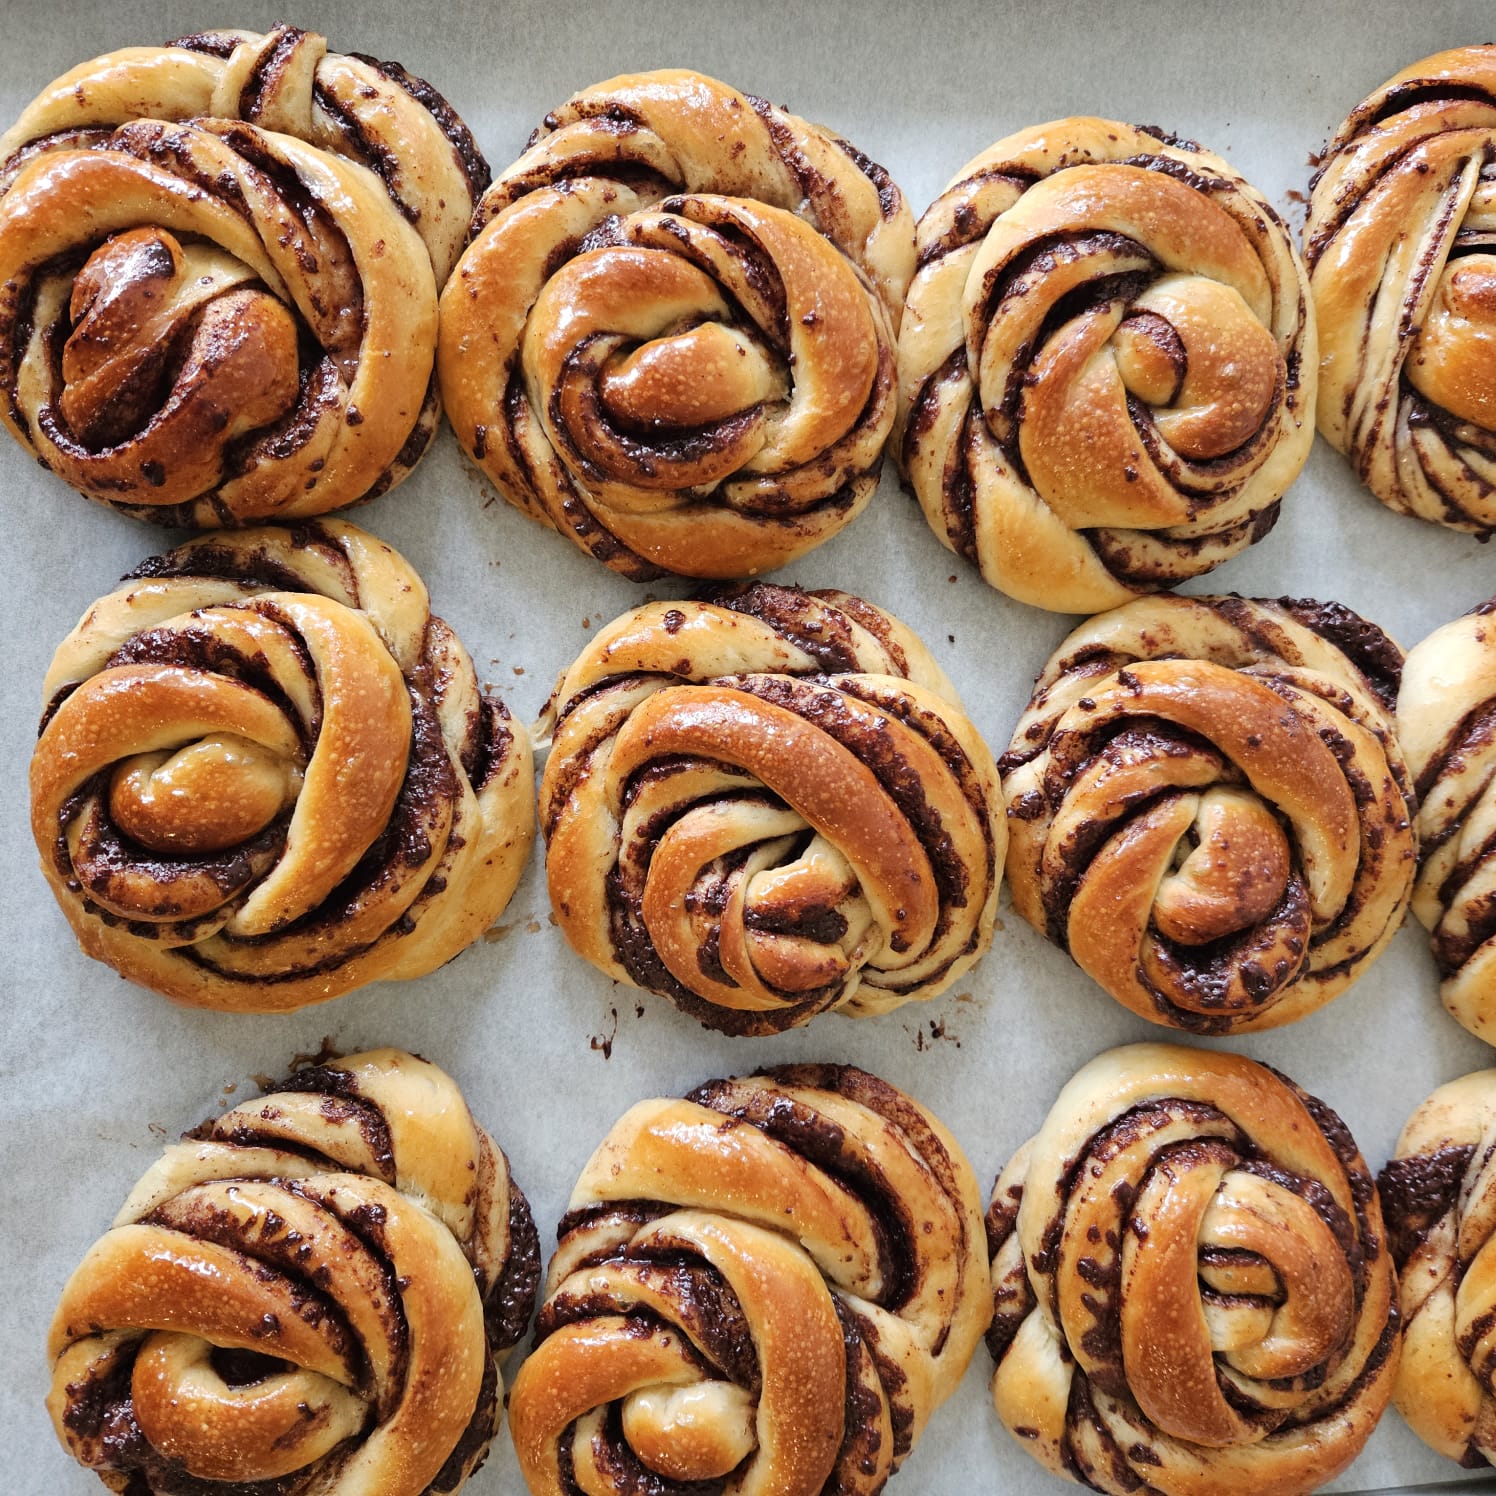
(98, 1073)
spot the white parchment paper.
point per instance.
(98, 1073)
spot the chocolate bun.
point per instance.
(1446, 722)
(286, 80)
(1439, 1194)
(218, 272)
(768, 804)
(1192, 1284)
(267, 775)
(672, 338)
(312, 1292)
(1209, 810)
(1399, 249)
(768, 1286)
(1106, 364)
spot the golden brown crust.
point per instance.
(315, 1289)
(1438, 1191)
(1193, 1290)
(767, 805)
(672, 337)
(286, 80)
(1400, 217)
(207, 323)
(267, 776)
(1446, 721)
(1085, 287)
(1209, 810)
(778, 1279)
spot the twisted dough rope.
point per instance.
(1401, 216)
(671, 339)
(311, 1293)
(763, 1290)
(1193, 1292)
(1446, 723)
(285, 80)
(1106, 364)
(767, 805)
(267, 775)
(1209, 810)
(1439, 1193)
(206, 324)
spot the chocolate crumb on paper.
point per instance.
(603, 1043)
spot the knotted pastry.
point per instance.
(1446, 723)
(266, 774)
(671, 339)
(286, 80)
(1439, 1193)
(212, 324)
(1208, 808)
(765, 1288)
(311, 1293)
(768, 804)
(1402, 213)
(1106, 364)
(1194, 1295)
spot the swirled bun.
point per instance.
(267, 775)
(1209, 810)
(311, 1292)
(768, 804)
(672, 338)
(1192, 1284)
(1439, 1194)
(776, 1280)
(1106, 364)
(220, 262)
(286, 80)
(1398, 242)
(1446, 722)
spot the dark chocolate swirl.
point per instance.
(1209, 810)
(1106, 364)
(210, 324)
(672, 337)
(311, 1292)
(1446, 722)
(768, 1286)
(1401, 245)
(1439, 1193)
(767, 805)
(364, 110)
(267, 775)
(1192, 1285)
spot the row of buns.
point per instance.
(267, 775)
(1188, 1279)
(688, 323)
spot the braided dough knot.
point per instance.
(765, 1288)
(766, 805)
(1209, 810)
(315, 1288)
(1192, 1288)
(1401, 217)
(672, 337)
(1446, 723)
(1439, 1192)
(267, 774)
(208, 323)
(1106, 364)
(287, 81)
